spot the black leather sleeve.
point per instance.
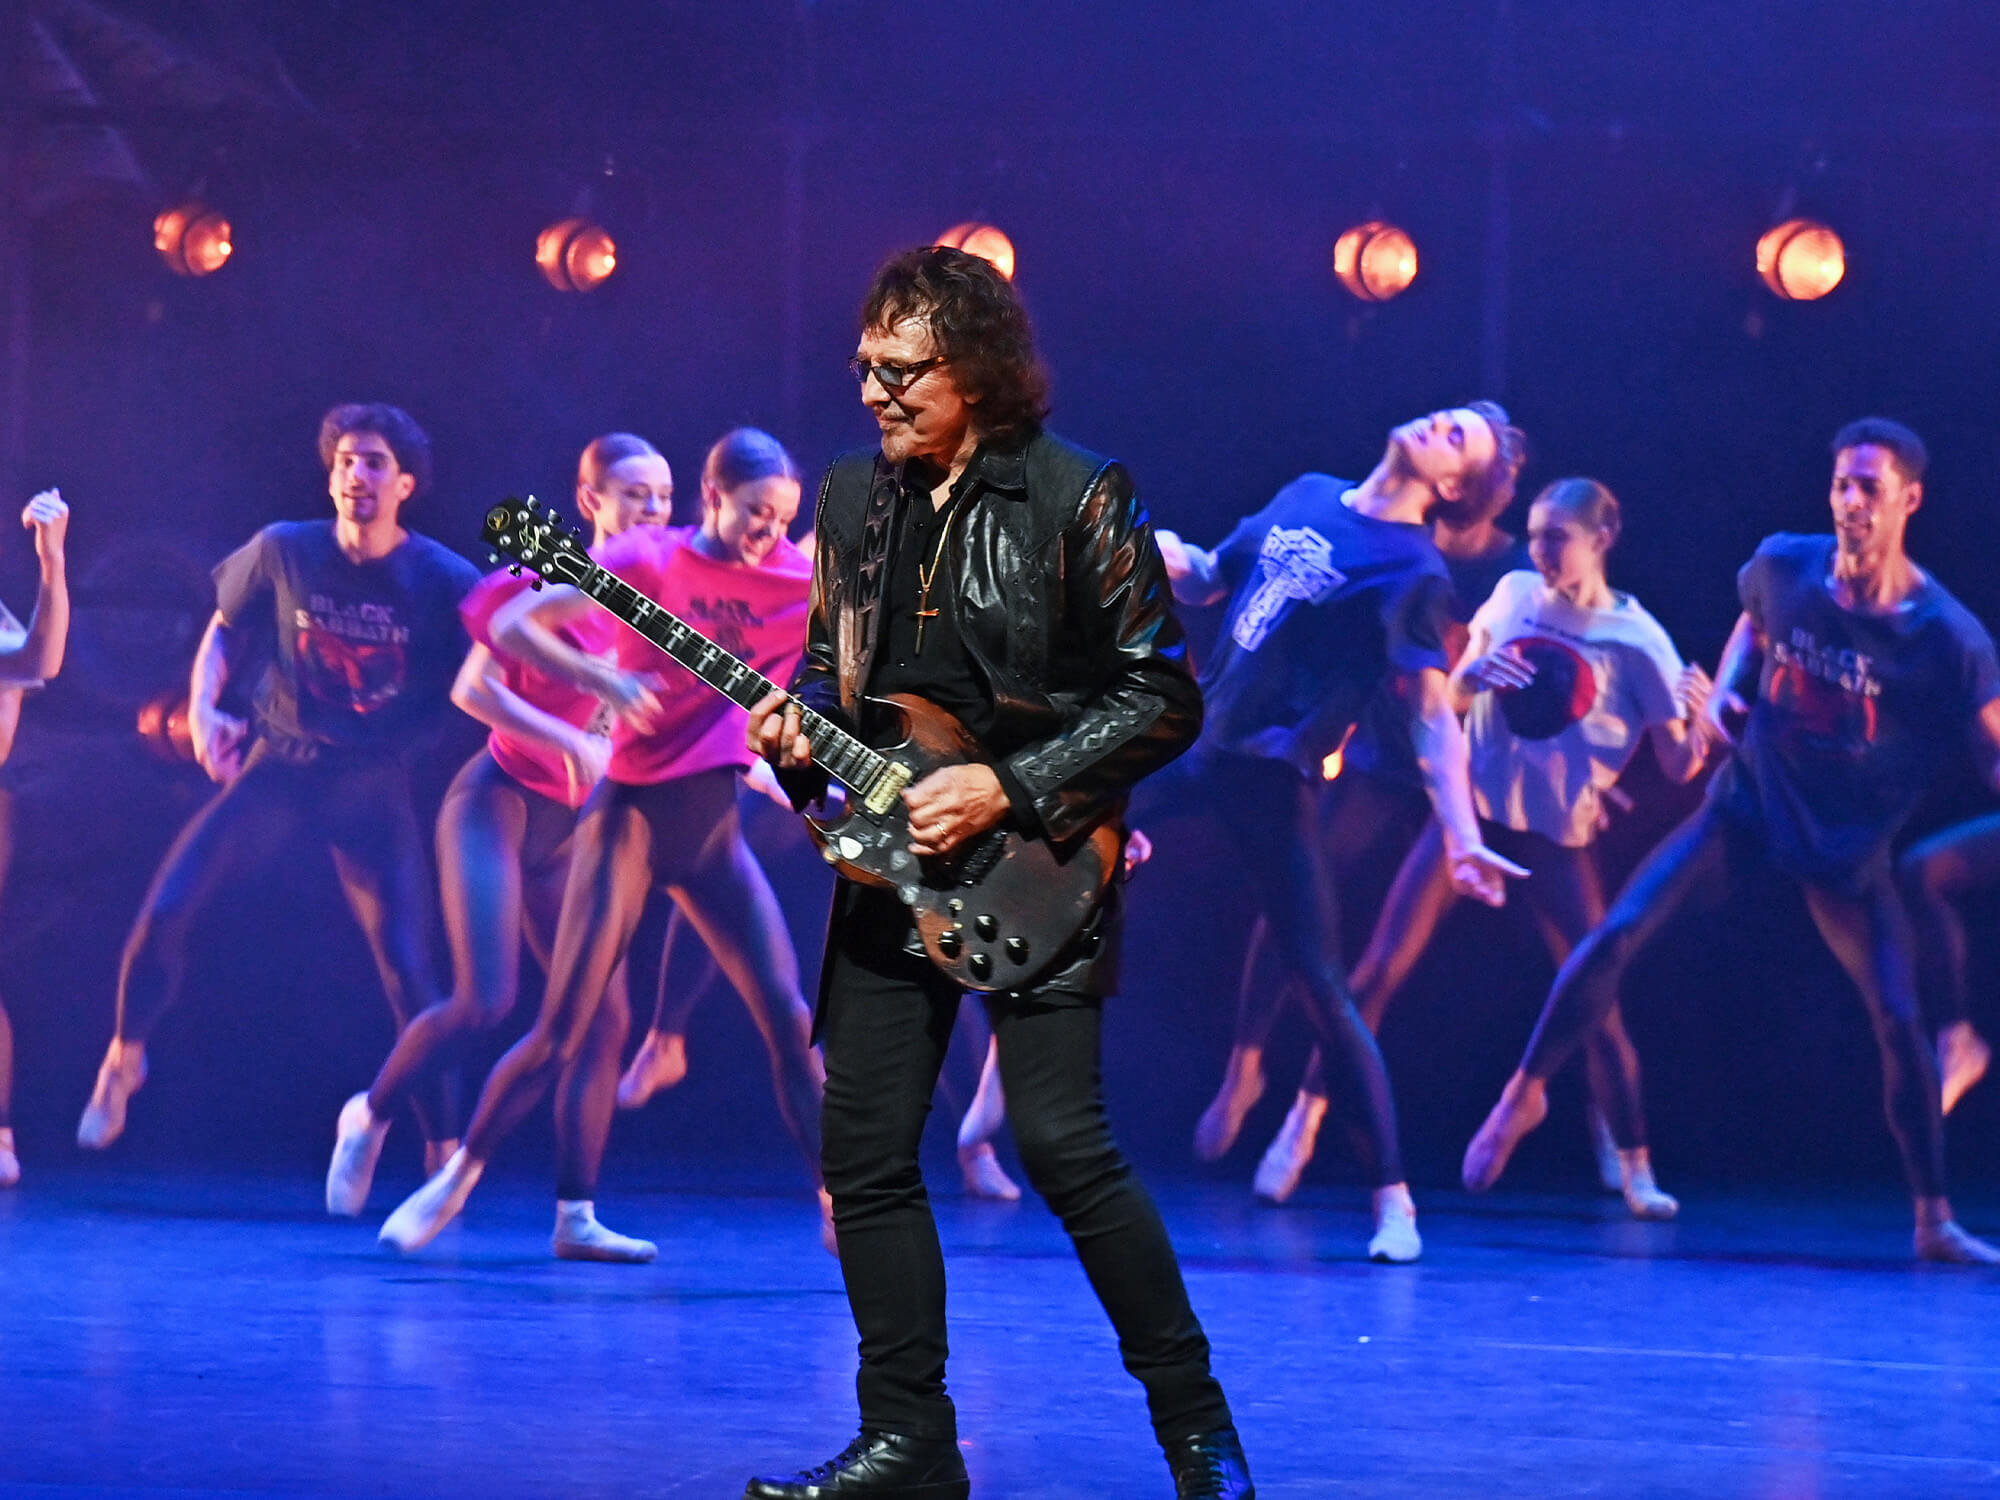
(1145, 708)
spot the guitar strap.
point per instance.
(878, 529)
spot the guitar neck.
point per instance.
(839, 753)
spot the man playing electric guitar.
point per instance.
(1012, 580)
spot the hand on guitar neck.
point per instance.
(947, 807)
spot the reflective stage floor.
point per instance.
(214, 1335)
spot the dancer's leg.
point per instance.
(378, 852)
(1935, 874)
(977, 1162)
(610, 872)
(687, 975)
(1870, 935)
(1270, 809)
(1566, 895)
(728, 901)
(1050, 1061)
(1696, 864)
(242, 826)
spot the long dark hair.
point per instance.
(978, 324)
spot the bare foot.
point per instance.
(983, 1174)
(659, 1064)
(1242, 1086)
(1963, 1057)
(1523, 1105)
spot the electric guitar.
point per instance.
(994, 912)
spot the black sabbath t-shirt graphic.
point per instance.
(352, 656)
(366, 651)
(1827, 699)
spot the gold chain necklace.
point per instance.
(926, 576)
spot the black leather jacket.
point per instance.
(1062, 603)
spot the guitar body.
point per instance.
(997, 910)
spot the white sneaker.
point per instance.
(10, 1164)
(426, 1211)
(119, 1077)
(1291, 1149)
(579, 1236)
(1396, 1240)
(357, 1146)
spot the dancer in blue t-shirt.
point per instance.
(1850, 676)
(1334, 590)
(364, 617)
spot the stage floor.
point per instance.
(213, 1334)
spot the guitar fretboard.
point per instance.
(862, 770)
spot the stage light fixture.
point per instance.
(984, 241)
(1801, 260)
(193, 239)
(576, 255)
(1375, 261)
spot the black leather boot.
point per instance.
(1210, 1467)
(885, 1464)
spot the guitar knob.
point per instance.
(950, 943)
(1017, 949)
(981, 966)
(986, 925)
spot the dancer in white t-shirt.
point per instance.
(1559, 679)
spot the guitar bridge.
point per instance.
(887, 788)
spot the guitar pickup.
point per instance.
(882, 796)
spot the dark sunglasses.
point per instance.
(895, 379)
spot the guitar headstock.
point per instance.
(531, 535)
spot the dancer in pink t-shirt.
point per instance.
(665, 814)
(504, 835)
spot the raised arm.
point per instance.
(1681, 745)
(1443, 759)
(40, 655)
(525, 627)
(1194, 575)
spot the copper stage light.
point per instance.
(1375, 261)
(984, 241)
(192, 238)
(1801, 260)
(576, 255)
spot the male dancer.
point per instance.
(1849, 677)
(368, 640)
(1335, 590)
(1370, 815)
(29, 656)
(1012, 580)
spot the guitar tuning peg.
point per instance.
(515, 571)
(493, 559)
(536, 585)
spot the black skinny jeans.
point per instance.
(503, 855)
(1935, 874)
(1700, 866)
(683, 835)
(885, 1029)
(358, 808)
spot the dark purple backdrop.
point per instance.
(1584, 182)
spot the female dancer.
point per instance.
(29, 656)
(503, 837)
(666, 813)
(1561, 675)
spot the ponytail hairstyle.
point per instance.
(1590, 502)
(744, 455)
(607, 452)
